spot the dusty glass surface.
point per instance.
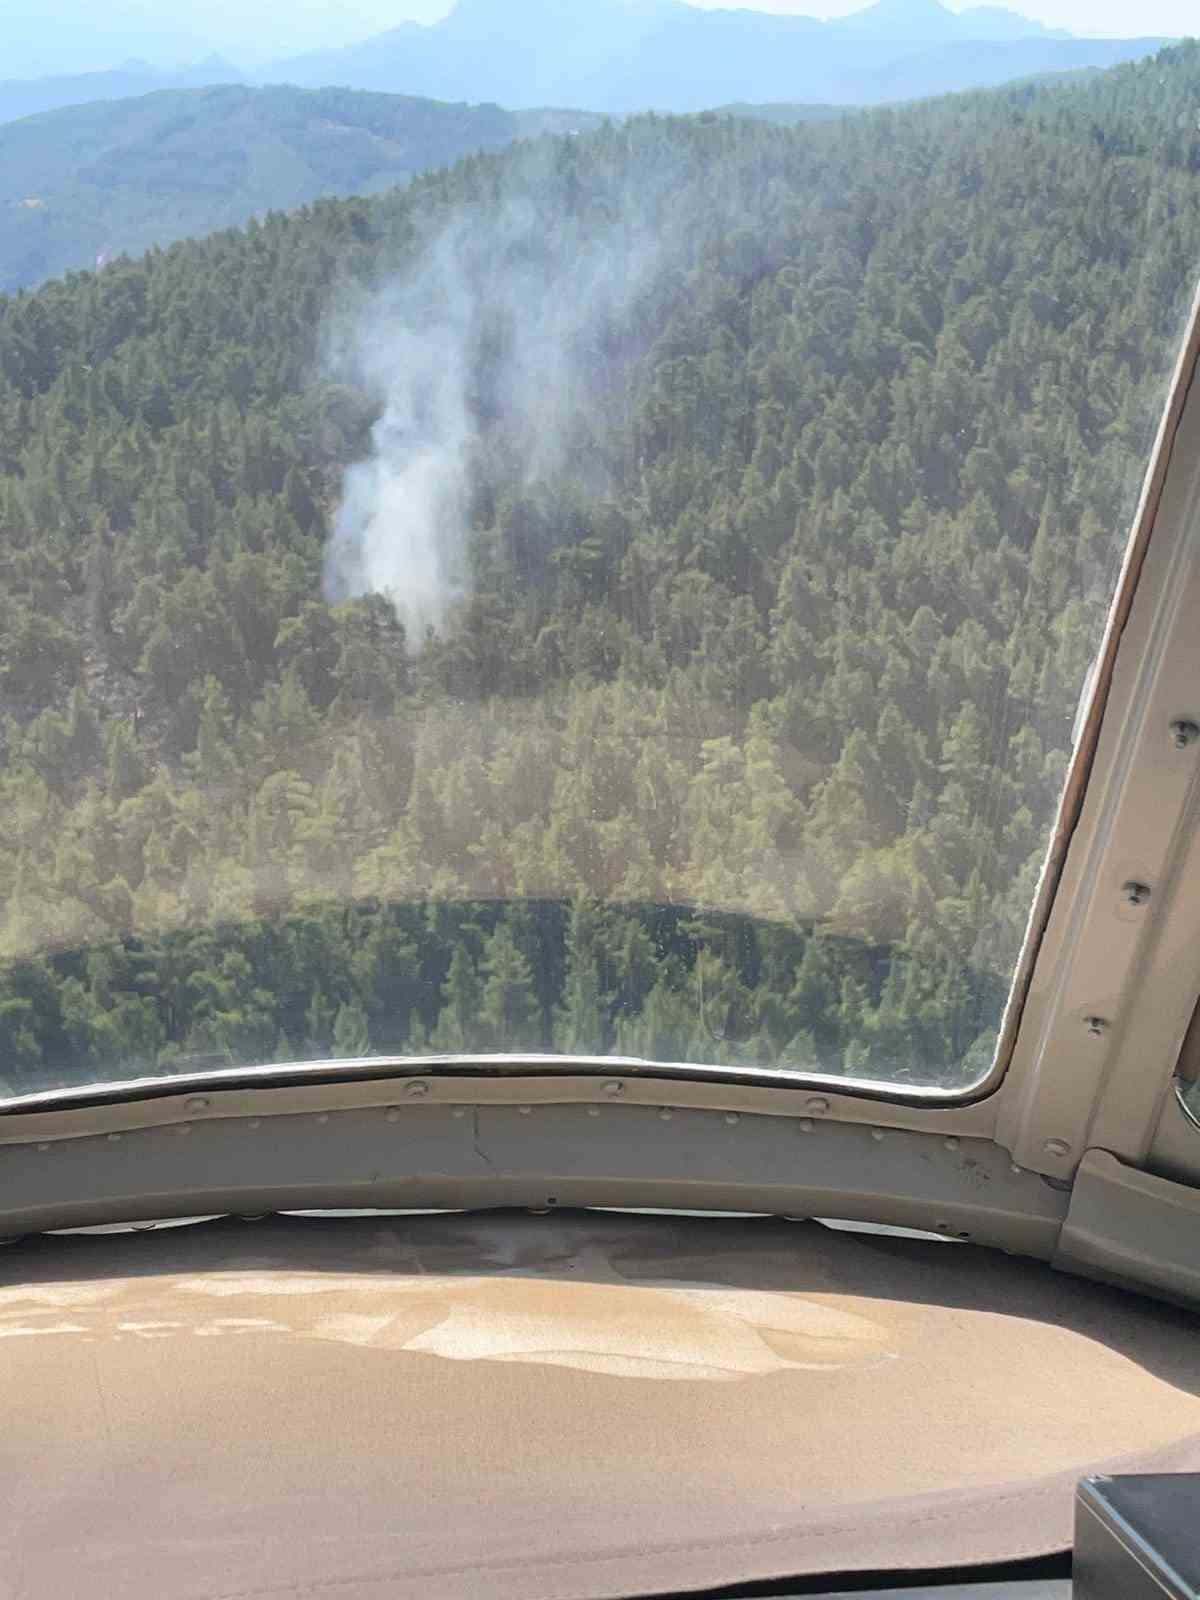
(626, 593)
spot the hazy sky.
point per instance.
(1125, 19)
(38, 36)
(1121, 18)
(357, 18)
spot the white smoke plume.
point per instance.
(497, 329)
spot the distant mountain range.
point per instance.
(78, 185)
(619, 56)
(628, 55)
(26, 97)
(119, 161)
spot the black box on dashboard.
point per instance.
(1138, 1538)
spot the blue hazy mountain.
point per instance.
(26, 97)
(628, 55)
(926, 22)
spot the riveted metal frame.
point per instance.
(1113, 990)
(438, 1150)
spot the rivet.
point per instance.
(951, 1143)
(1135, 893)
(877, 1135)
(1096, 1026)
(198, 1104)
(818, 1105)
(731, 1117)
(43, 1148)
(417, 1090)
(114, 1138)
(183, 1130)
(1057, 1147)
(1184, 732)
(393, 1114)
(254, 1124)
(805, 1125)
(593, 1111)
(614, 1088)
(322, 1116)
(459, 1111)
(526, 1110)
(664, 1115)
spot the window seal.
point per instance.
(1106, 991)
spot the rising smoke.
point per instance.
(502, 327)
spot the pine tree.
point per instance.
(458, 1028)
(509, 1008)
(351, 1036)
(581, 1024)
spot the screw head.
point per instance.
(817, 1105)
(416, 1090)
(614, 1089)
(1134, 893)
(1096, 1026)
(731, 1117)
(951, 1143)
(1057, 1147)
(199, 1103)
(805, 1125)
(1184, 732)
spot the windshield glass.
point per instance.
(627, 591)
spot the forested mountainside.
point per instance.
(785, 112)
(740, 734)
(159, 167)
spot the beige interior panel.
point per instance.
(556, 1408)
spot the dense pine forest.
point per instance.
(741, 734)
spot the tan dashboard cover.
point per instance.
(553, 1408)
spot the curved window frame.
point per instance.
(1075, 1148)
